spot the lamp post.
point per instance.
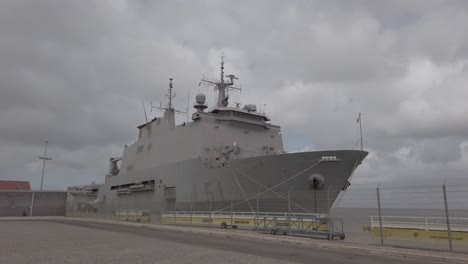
(44, 158)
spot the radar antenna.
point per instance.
(222, 86)
(171, 95)
(222, 68)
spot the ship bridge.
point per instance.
(230, 114)
(242, 113)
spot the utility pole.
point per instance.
(44, 158)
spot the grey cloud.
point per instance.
(73, 73)
(441, 150)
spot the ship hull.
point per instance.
(235, 185)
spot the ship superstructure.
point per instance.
(224, 154)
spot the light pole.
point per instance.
(44, 158)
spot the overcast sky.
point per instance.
(73, 73)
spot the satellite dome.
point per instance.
(200, 98)
(250, 108)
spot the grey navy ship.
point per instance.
(224, 155)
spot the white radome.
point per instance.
(200, 98)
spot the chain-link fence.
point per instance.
(434, 217)
(32, 203)
(431, 216)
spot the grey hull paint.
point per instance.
(197, 184)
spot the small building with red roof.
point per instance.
(14, 186)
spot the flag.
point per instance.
(359, 118)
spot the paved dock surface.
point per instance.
(67, 241)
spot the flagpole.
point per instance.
(360, 131)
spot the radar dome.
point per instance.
(250, 108)
(200, 98)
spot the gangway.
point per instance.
(271, 222)
(330, 228)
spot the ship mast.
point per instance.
(223, 86)
(170, 95)
(222, 68)
(169, 111)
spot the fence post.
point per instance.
(231, 210)
(315, 201)
(258, 210)
(127, 198)
(175, 213)
(289, 212)
(210, 214)
(380, 217)
(32, 204)
(191, 212)
(329, 218)
(447, 218)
